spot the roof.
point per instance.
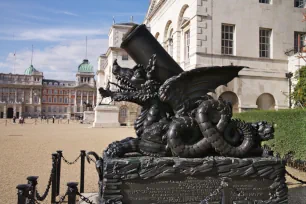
(30, 70)
(85, 66)
(52, 82)
(127, 24)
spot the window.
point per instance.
(187, 45)
(44, 99)
(60, 100)
(227, 41)
(299, 41)
(125, 57)
(35, 99)
(49, 91)
(264, 42)
(35, 108)
(299, 3)
(43, 109)
(50, 100)
(65, 109)
(60, 109)
(49, 109)
(55, 91)
(264, 1)
(44, 91)
(61, 92)
(54, 100)
(66, 100)
(54, 109)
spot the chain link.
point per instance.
(61, 200)
(295, 178)
(217, 191)
(45, 194)
(83, 198)
(70, 163)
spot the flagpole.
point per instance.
(32, 56)
(86, 48)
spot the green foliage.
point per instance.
(299, 93)
(290, 131)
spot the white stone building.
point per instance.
(253, 33)
(127, 111)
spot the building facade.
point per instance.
(30, 95)
(252, 33)
(127, 111)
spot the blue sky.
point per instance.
(57, 29)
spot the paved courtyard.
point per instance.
(26, 150)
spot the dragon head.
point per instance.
(264, 130)
(135, 85)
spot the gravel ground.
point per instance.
(26, 151)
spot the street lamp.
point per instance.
(289, 76)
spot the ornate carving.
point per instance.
(178, 118)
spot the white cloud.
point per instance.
(60, 61)
(52, 34)
(67, 13)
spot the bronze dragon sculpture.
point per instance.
(178, 117)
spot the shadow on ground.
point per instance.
(297, 194)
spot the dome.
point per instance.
(85, 66)
(30, 70)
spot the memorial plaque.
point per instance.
(184, 190)
(148, 180)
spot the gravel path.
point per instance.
(26, 151)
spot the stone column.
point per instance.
(4, 111)
(81, 105)
(31, 96)
(69, 104)
(16, 95)
(87, 96)
(20, 111)
(75, 101)
(23, 96)
(15, 110)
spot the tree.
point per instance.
(299, 94)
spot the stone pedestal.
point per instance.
(147, 180)
(88, 117)
(106, 116)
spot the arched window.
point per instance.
(232, 98)
(265, 102)
(123, 114)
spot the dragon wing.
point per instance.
(196, 83)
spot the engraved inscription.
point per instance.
(250, 189)
(181, 190)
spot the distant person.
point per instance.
(14, 119)
(53, 119)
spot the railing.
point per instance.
(7, 122)
(28, 194)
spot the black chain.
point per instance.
(45, 194)
(70, 163)
(61, 200)
(295, 178)
(83, 198)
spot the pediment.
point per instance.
(84, 86)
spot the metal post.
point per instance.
(58, 171)
(54, 164)
(35, 121)
(23, 193)
(68, 121)
(83, 155)
(32, 181)
(72, 191)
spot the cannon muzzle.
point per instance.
(140, 44)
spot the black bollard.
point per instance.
(72, 192)
(83, 155)
(54, 179)
(58, 170)
(23, 193)
(32, 181)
